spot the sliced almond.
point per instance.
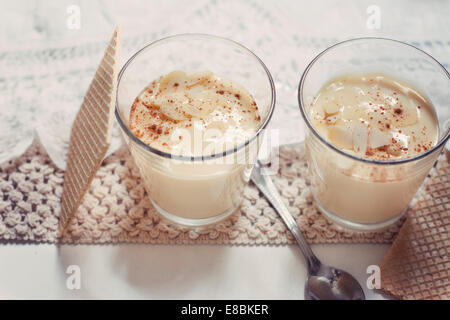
(171, 108)
(405, 115)
(332, 119)
(360, 138)
(203, 101)
(378, 138)
(394, 150)
(354, 113)
(172, 78)
(341, 136)
(198, 78)
(331, 108)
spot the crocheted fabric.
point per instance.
(116, 208)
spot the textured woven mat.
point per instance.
(117, 209)
(418, 263)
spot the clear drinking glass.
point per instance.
(341, 184)
(200, 190)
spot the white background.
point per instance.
(192, 272)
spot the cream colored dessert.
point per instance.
(212, 113)
(375, 117)
(197, 114)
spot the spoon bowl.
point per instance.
(332, 284)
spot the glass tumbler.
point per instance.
(195, 190)
(341, 183)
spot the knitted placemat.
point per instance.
(418, 264)
(116, 208)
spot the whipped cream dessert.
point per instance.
(198, 114)
(374, 117)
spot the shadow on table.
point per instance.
(159, 270)
(164, 268)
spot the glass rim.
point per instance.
(161, 153)
(440, 142)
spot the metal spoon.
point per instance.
(323, 282)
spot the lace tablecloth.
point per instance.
(42, 89)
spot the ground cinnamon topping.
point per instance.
(398, 111)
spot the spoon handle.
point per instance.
(266, 186)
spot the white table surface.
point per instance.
(190, 272)
(172, 272)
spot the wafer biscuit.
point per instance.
(418, 264)
(91, 133)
